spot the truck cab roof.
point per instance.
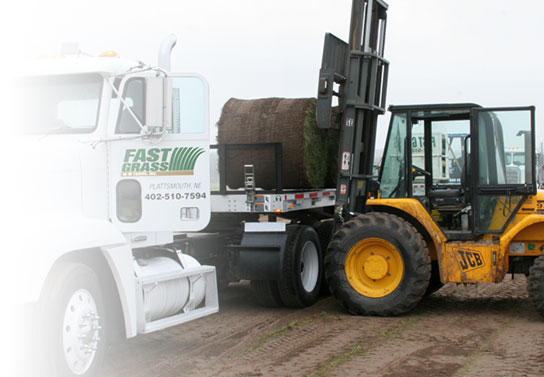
(63, 65)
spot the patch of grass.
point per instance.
(477, 353)
(269, 335)
(359, 349)
(284, 329)
(386, 334)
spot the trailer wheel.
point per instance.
(75, 324)
(535, 284)
(302, 270)
(378, 264)
(267, 293)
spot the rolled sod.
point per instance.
(309, 154)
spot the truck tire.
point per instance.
(267, 293)
(378, 264)
(535, 284)
(302, 269)
(74, 321)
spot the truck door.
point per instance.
(160, 182)
(496, 197)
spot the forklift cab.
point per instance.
(451, 157)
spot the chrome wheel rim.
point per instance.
(80, 331)
(309, 269)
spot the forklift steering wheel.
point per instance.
(419, 172)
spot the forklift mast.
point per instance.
(355, 73)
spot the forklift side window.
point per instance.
(500, 132)
(393, 180)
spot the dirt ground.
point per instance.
(483, 330)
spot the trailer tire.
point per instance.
(75, 326)
(378, 264)
(302, 269)
(267, 293)
(535, 284)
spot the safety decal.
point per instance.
(345, 160)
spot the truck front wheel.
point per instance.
(75, 323)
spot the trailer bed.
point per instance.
(286, 201)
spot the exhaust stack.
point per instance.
(165, 51)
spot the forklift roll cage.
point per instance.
(471, 192)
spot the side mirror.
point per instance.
(158, 103)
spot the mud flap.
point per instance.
(260, 254)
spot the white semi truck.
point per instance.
(123, 215)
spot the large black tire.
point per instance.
(325, 232)
(75, 326)
(535, 284)
(397, 259)
(302, 270)
(267, 293)
(434, 282)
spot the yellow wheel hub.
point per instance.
(374, 267)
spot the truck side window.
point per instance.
(133, 94)
(188, 106)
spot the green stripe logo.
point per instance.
(160, 161)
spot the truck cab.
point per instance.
(117, 162)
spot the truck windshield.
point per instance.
(59, 104)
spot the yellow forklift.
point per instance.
(443, 208)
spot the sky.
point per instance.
(485, 51)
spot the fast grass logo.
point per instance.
(160, 161)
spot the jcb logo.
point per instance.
(469, 260)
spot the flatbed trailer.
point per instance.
(274, 238)
(288, 201)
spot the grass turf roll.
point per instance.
(306, 149)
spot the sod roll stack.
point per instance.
(308, 153)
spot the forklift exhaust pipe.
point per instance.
(165, 51)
